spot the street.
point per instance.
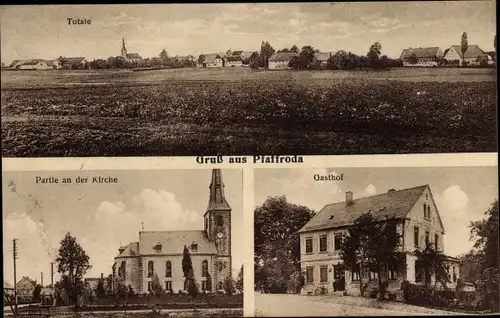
(274, 305)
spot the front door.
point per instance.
(338, 278)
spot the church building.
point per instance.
(161, 252)
(129, 57)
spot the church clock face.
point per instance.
(220, 235)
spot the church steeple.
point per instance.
(217, 200)
(124, 49)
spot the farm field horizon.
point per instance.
(193, 112)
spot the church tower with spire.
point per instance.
(218, 227)
(124, 49)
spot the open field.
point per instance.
(245, 112)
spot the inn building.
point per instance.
(160, 252)
(418, 222)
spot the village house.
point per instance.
(245, 56)
(129, 57)
(232, 61)
(422, 56)
(161, 252)
(31, 64)
(210, 60)
(321, 59)
(25, 288)
(70, 63)
(418, 222)
(8, 289)
(281, 61)
(473, 56)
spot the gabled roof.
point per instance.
(7, 285)
(322, 56)
(173, 242)
(130, 250)
(209, 58)
(27, 279)
(421, 52)
(71, 60)
(233, 59)
(282, 57)
(33, 62)
(473, 51)
(133, 56)
(394, 204)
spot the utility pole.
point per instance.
(41, 278)
(52, 274)
(14, 244)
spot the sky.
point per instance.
(103, 217)
(182, 29)
(462, 194)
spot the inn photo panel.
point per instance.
(248, 79)
(163, 239)
(375, 241)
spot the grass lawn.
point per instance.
(241, 112)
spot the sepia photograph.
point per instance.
(376, 241)
(123, 243)
(248, 78)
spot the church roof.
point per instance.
(173, 242)
(217, 200)
(392, 204)
(130, 250)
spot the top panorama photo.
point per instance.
(248, 79)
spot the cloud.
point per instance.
(118, 224)
(452, 206)
(31, 243)
(370, 190)
(299, 187)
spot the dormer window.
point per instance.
(157, 247)
(194, 247)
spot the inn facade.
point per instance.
(418, 222)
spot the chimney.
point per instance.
(349, 198)
(391, 190)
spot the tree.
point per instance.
(296, 281)
(266, 50)
(434, 264)
(306, 56)
(277, 245)
(209, 282)
(156, 287)
(294, 49)
(189, 279)
(72, 264)
(109, 285)
(374, 54)
(371, 244)
(100, 290)
(239, 281)
(163, 56)
(37, 293)
(228, 285)
(464, 46)
(485, 234)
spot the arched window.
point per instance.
(220, 220)
(151, 269)
(219, 286)
(168, 269)
(204, 268)
(425, 211)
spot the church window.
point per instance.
(219, 286)
(168, 269)
(151, 269)
(168, 285)
(425, 211)
(204, 268)
(204, 285)
(426, 239)
(219, 266)
(121, 270)
(436, 238)
(149, 286)
(206, 224)
(194, 247)
(219, 220)
(415, 236)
